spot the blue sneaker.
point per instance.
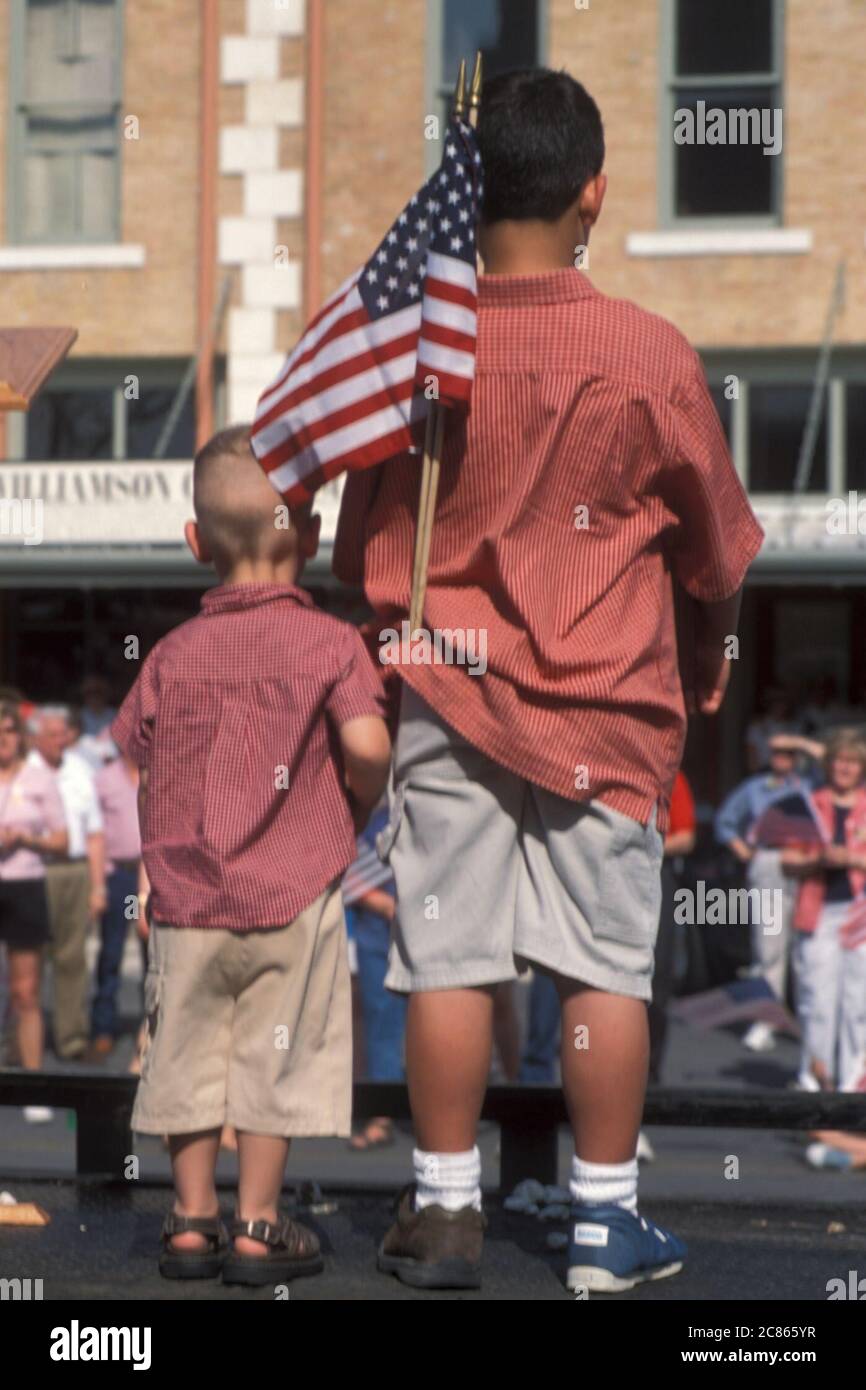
(612, 1250)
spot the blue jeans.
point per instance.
(384, 1013)
(121, 884)
(538, 1062)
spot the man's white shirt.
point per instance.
(78, 794)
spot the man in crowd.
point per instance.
(75, 883)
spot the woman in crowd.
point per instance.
(32, 825)
(830, 924)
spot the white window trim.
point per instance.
(754, 241)
(75, 256)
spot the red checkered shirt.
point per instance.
(234, 715)
(591, 471)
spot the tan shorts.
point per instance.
(251, 1029)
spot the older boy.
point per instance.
(257, 727)
(530, 803)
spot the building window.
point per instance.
(856, 435)
(777, 420)
(85, 413)
(722, 58)
(65, 85)
(509, 33)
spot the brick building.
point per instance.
(170, 165)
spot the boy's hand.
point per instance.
(712, 671)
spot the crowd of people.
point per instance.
(70, 856)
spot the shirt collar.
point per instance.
(228, 598)
(550, 287)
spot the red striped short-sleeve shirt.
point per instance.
(234, 715)
(590, 473)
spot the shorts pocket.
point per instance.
(630, 885)
(152, 1001)
(385, 839)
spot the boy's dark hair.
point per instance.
(541, 139)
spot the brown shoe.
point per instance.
(99, 1048)
(433, 1248)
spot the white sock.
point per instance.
(602, 1184)
(451, 1181)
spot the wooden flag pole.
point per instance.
(435, 431)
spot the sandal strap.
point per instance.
(211, 1226)
(295, 1239)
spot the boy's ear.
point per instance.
(196, 542)
(591, 199)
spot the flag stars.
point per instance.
(412, 244)
(422, 224)
(451, 151)
(371, 276)
(382, 257)
(383, 301)
(456, 243)
(445, 225)
(392, 282)
(402, 263)
(413, 289)
(391, 238)
(454, 196)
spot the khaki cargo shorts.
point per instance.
(493, 872)
(251, 1029)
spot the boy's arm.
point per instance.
(715, 623)
(717, 538)
(143, 881)
(366, 758)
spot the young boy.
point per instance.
(589, 479)
(257, 727)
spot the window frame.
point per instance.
(16, 144)
(794, 368)
(438, 84)
(668, 218)
(163, 373)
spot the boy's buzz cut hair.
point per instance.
(541, 140)
(234, 441)
(235, 504)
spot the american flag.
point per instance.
(352, 393)
(368, 871)
(742, 1001)
(790, 820)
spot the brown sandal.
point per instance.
(293, 1252)
(193, 1264)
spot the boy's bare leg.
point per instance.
(193, 1165)
(262, 1163)
(449, 1040)
(604, 1078)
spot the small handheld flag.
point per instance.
(397, 336)
(789, 821)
